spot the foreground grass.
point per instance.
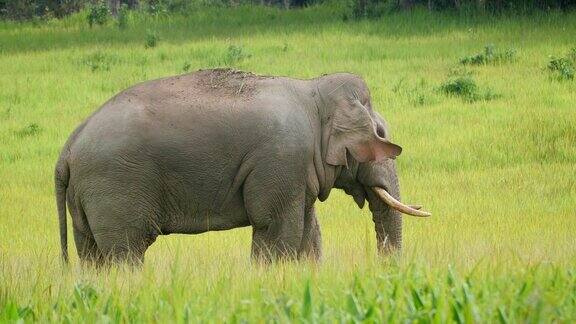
(497, 174)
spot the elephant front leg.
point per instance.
(278, 240)
(275, 207)
(311, 247)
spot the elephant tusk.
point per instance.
(392, 202)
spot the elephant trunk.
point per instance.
(387, 220)
(388, 225)
(380, 182)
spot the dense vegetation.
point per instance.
(483, 106)
(27, 9)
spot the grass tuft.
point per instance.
(100, 61)
(490, 56)
(29, 130)
(235, 54)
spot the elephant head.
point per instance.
(356, 144)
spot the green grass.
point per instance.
(498, 175)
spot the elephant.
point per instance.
(219, 149)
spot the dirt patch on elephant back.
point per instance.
(227, 82)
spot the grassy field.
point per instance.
(497, 170)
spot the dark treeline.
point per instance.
(375, 8)
(27, 9)
(490, 5)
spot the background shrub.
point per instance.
(98, 14)
(19, 9)
(463, 86)
(372, 8)
(27, 9)
(563, 68)
(466, 88)
(490, 56)
(152, 39)
(235, 54)
(99, 61)
(122, 19)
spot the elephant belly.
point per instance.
(190, 220)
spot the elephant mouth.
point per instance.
(412, 210)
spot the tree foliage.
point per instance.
(27, 9)
(376, 8)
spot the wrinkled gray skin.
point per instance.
(220, 149)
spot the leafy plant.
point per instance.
(122, 20)
(371, 9)
(29, 130)
(155, 7)
(98, 14)
(152, 39)
(99, 61)
(572, 54)
(466, 88)
(235, 54)
(186, 67)
(489, 56)
(84, 296)
(563, 68)
(463, 86)
(17, 314)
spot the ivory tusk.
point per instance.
(392, 202)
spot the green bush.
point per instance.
(466, 88)
(563, 68)
(463, 86)
(186, 67)
(122, 20)
(60, 8)
(98, 14)
(489, 56)
(371, 9)
(152, 39)
(19, 9)
(494, 6)
(235, 54)
(165, 6)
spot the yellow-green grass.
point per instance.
(499, 175)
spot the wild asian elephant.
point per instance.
(220, 149)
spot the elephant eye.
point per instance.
(380, 131)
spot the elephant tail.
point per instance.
(61, 177)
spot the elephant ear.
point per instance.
(354, 130)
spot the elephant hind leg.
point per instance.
(88, 250)
(123, 224)
(86, 247)
(124, 245)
